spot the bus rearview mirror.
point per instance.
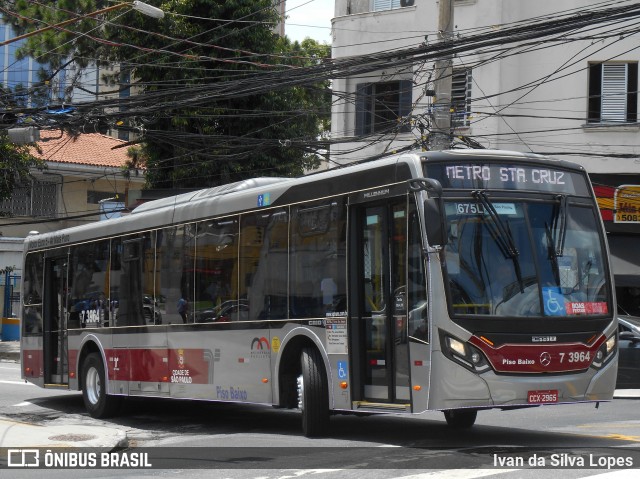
(434, 222)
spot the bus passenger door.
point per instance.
(55, 322)
(378, 316)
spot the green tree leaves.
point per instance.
(198, 42)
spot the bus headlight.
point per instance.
(457, 347)
(605, 352)
(463, 353)
(611, 343)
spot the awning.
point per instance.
(625, 260)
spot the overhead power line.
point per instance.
(167, 100)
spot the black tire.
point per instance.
(96, 400)
(461, 418)
(313, 393)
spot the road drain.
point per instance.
(72, 437)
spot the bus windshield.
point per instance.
(524, 259)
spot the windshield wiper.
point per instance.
(503, 236)
(501, 233)
(560, 225)
(553, 254)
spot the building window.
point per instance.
(97, 197)
(379, 5)
(36, 199)
(461, 97)
(613, 96)
(380, 106)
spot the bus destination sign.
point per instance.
(507, 176)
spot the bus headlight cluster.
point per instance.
(605, 352)
(611, 344)
(464, 353)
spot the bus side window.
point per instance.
(317, 266)
(87, 296)
(215, 251)
(263, 263)
(32, 299)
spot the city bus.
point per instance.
(453, 281)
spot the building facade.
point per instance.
(84, 180)
(571, 96)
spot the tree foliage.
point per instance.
(15, 164)
(198, 42)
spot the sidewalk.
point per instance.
(16, 434)
(19, 434)
(10, 350)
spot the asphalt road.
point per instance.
(249, 441)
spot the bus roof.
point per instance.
(261, 192)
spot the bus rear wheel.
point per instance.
(313, 393)
(461, 418)
(94, 391)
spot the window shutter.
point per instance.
(379, 5)
(614, 92)
(461, 97)
(632, 92)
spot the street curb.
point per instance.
(10, 351)
(18, 434)
(10, 357)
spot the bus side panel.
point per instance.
(603, 384)
(73, 356)
(32, 360)
(456, 386)
(141, 353)
(420, 376)
(224, 362)
(339, 398)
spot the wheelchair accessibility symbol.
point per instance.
(553, 302)
(342, 370)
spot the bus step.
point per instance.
(375, 406)
(56, 386)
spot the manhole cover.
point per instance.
(72, 437)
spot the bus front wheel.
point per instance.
(313, 393)
(461, 418)
(94, 393)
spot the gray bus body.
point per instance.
(327, 293)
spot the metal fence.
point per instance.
(10, 287)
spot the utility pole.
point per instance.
(440, 137)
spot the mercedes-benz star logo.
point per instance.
(545, 359)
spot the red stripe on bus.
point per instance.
(539, 358)
(187, 366)
(32, 363)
